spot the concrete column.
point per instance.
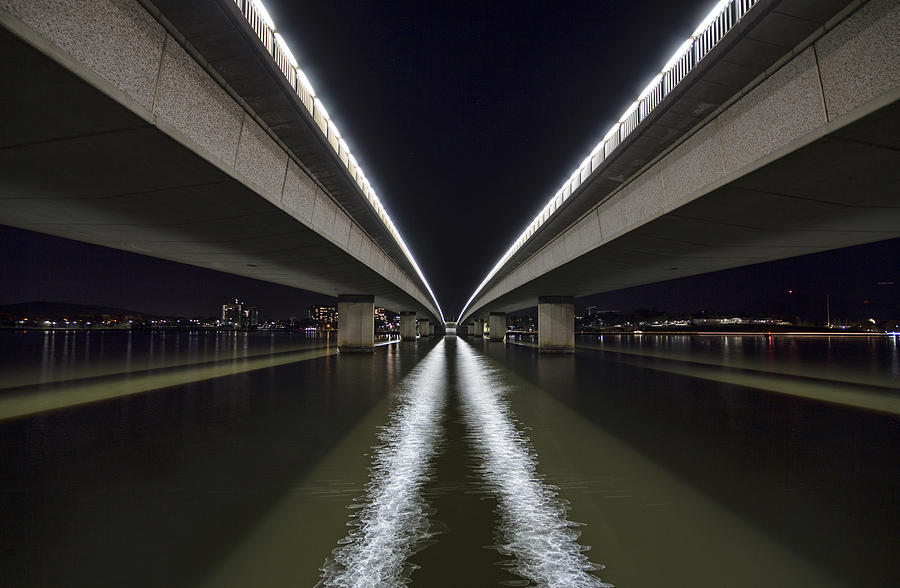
(497, 325)
(408, 325)
(556, 324)
(424, 328)
(478, 328)
(356, 323)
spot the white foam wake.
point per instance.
(536, 534)
(392, 522)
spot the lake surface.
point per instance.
(259, 459)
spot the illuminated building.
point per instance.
(238, 315)
(323, 317)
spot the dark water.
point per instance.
(205, 459)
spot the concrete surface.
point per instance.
(802, 160)
(356, 323)
(556, 324)
(497, 326)
(408, 325)
(115, 134)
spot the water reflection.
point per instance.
(680, 474)
(24, 401)
(851, 360)
(70, 355)
(157, 489)
(853, 374)
(667, 466)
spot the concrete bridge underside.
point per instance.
(112, 134)
(805, 160)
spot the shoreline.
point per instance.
(727, 333)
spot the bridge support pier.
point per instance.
(408, 325)
(478, 328)
(424, 328)
(356, 323)
(556, 324)
(497, 326)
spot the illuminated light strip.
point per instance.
(263, 13)
(286, 50)
(679, 53)
(318, 107)
(651, 86)
(673, 61)
(304, 81)
(628, 112)
(710, 17)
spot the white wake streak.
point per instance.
(393, 521)
(536, 533)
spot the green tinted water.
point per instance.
(682, 461)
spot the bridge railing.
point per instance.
(707, 35)
(261, 23)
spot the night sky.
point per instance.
(472, 111)
(459, 112)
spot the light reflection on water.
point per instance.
(668, 460)
(680, 475)
(853, 360)
(392, 520)
(534, 529)
(69, 355)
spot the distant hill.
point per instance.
(47, 310)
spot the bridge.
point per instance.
(770, 133)
(187, 131)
